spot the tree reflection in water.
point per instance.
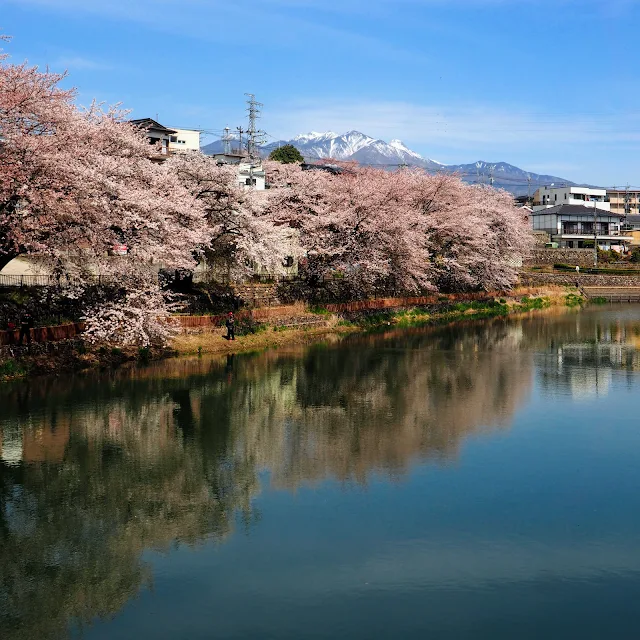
(97, 469)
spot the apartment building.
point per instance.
(617, 198)
(554, 196)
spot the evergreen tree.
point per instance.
(287, 155)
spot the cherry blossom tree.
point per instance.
(400, 231)
(243, 234)
(477, 236)
(75, 182)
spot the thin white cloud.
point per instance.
(79, 63)
(456, 127)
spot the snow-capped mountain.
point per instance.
(354, 145)
(366, 150)
(505, 176)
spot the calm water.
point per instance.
(477, 482)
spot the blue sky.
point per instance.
(552, 86)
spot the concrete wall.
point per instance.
(546, 257)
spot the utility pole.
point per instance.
(240, 131)
(491, 169)
(595, 233)
(627, 204)
(528, 189)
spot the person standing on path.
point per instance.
(26, 324)
(231, 326)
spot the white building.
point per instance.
(552, 196)
(250, 174)
(185, 140)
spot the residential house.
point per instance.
(575, 226)
(156, 133)
(552, 196)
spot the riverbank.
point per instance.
(334, 325)
(287, 326)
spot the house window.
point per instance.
(250, 182)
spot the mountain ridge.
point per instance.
(359, 147)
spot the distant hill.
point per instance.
(359, 147)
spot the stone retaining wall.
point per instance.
(545, 257)
(257, 295)
(39, 348)
(532, 279)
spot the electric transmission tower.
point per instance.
(255, 137)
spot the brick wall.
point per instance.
(44, 334)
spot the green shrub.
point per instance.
(11, 369)
(248, 326)
(318, 310)
(573, 300)
(144, 354)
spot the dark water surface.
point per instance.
(472, 482)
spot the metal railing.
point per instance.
(7, 280)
